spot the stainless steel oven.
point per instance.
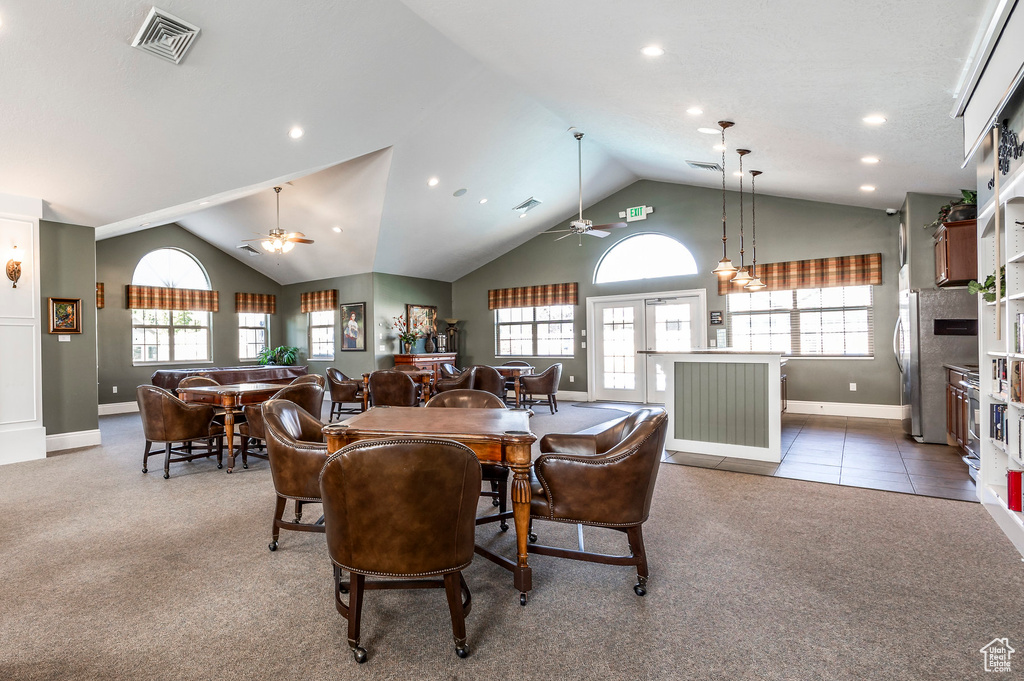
(973, 443)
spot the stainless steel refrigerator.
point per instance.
(935, 327)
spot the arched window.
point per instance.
(170, 336)
(644, 256)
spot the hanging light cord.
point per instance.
(724, 237)
(741, 212)
(753, 222)
(579, 159)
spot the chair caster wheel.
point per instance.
(532, 538)
(462, 650)
(166, 475)
(145, 470)
(639, 590)
(503, 526)
(220, 465)
(245, 465)
(272, 546)
(359, 653)
(522, 599)
(495, 502)
(343, 589)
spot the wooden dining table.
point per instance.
(425, 377)
(231, 398)
(515, 372)
(495, 436)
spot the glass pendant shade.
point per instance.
(742, 276)
(725, 268)
(755, 284)
(287, 246)
(267, 246)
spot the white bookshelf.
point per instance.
(997, 457)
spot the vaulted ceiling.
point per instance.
(479, 95)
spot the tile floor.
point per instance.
(857, 452)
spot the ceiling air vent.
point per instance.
(701, 165)
(527, 205)
(249, 249)
(165, 35)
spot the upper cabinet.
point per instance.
(956, 253)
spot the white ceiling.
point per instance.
(478, 94)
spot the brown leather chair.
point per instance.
(544, 383)
(297, 451)
(494, 474)
(311, 378)
(309, 396)
(167, 419)
(510, 383)
(464, 381)
(393, 389)
(344, 390)
(197, 381)
(370, 491)
(487, 378)
(448, 370)
(605, 480)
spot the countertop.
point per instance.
(962, 368)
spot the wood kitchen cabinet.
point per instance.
(956, 253)
(958, 404)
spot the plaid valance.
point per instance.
(846, 270)
(100, 297)
(265, 303)
(532, 296)
(159, 298)
(319, 301)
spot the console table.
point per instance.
(255, 373)
(432, 361)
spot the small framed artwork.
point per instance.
(353, 327)
(422, 319)
(65, 315)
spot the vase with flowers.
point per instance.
(405, 335)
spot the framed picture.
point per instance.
(353, 327)
(65, 315)
(422, 319)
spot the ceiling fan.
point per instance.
(580, 226)
(279, 241)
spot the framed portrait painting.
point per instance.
(422, 319)
(353, 327)
(65, 315)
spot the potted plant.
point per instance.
(988, 289)
(964, 208)
(282, 355)
(406, 336)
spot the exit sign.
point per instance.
(636, 213)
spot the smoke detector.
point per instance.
(701, 165)
(165, 35)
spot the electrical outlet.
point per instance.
(381, 336)
(584, 332)
(63, 338)
(712, 343)
(583, 344)
(853, 387)
(115, 389)
(572, 379)
(381, 348)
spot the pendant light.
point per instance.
(754, 284)
(725, 267)
(742, 275)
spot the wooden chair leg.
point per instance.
(298, 511)
(635, 537)
(245, 452)
(355, 610)
(453, 585)
(275, 530)
(167, 460)
(220, 452)
(551, 402)
(145, 457)
(502, 502)
(554, 401)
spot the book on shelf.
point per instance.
(997, 423)
(1018, 334)
(1016, 387)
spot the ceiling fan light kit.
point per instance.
(279, 241)
(725, 267)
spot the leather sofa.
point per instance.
(168, 379)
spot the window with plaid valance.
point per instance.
(319, 301)
(533, 296)
(256, 303)
(846, 270)
(159, 298)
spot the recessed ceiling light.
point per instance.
(483, 201)
(719, 147)
(709, 131)
(296, 132)
(874, 119)
(695, 111)
(522, 215)
(869, 159)
(737, 173)
(203, 203)
(336, 229)
(867, 187)
(653, 51)
(432, 182)
(144, 224)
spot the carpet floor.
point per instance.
(112, 574)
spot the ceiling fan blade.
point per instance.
(294, 234)
(299, 241)
(262, 238)
(597, 233)
(563, 236)
(612, 225)
(556, 231)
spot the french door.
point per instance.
(624, 329)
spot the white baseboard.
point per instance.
(870, 411)
(572, 395)
(22, 444)
(79, 438)
(119, 408)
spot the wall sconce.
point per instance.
(14, 268)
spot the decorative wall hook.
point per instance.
(14, 269)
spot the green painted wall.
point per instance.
(116, 259)
(920, 210)
(788, 229)
(391, 294)
(67, 258)
(357, 288)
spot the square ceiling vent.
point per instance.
(165, 35)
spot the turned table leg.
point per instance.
(229, 434)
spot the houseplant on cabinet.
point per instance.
(406, 336)
(282, 355)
